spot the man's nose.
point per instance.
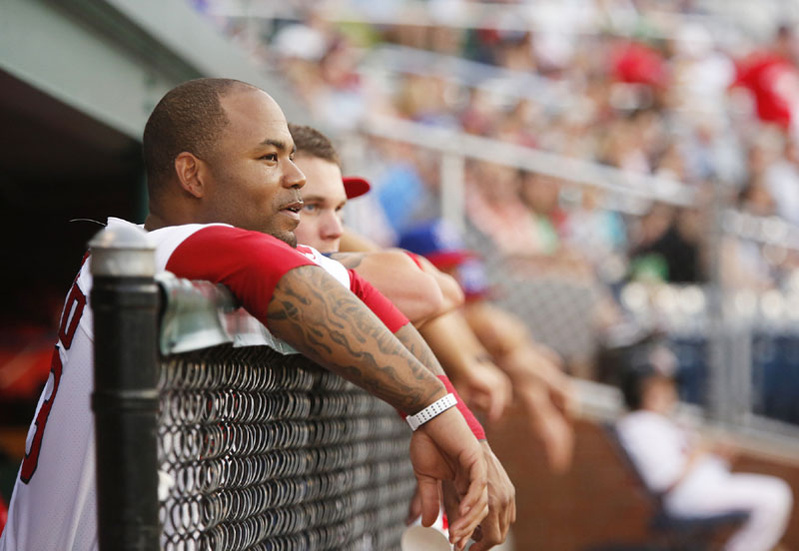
(293, 177)
(332, 227)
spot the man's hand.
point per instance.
(501, 504)
(481, 383)
(549, 424)
(445, 449)
(485, 387)
(724, 447)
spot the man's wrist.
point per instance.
(432, 411)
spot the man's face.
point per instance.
(253, 182)
(660, 395)
(320, 225)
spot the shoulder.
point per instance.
(330, 265)
(165, 240)
(645, 422)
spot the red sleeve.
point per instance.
(415, 258)
(377, 303)
(249, 263)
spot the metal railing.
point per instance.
(514, 17)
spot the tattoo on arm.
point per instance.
(327, 323)
(416, 345)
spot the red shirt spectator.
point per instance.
(774, 83)
(637, 63)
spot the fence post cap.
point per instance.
(122, 249)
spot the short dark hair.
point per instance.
(309, 140)
(641, 364)
(188, 118)
(632, 388)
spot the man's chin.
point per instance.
(287, 237)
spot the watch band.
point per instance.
(436, 408)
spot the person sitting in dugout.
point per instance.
(692, 475)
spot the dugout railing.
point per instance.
(211, 434)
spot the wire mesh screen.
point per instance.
(266, 451)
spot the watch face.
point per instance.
(439, 406)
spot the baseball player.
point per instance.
(324, 196)
(693, 476)
(224, 201)
(485, 333)
(417, 294)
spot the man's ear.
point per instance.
(191, 174)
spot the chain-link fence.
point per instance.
(265, 451)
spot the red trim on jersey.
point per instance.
(249, 263)
(3, 514)
(471, 420)
(377, 302)
(304, 249)
(70, 318)
(415, 258)
(31, 461)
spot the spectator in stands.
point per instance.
(540, 194)
(782, 179)
(771, 76)
(668, 246)
(693, 475)
(399, 186)
(744, 266)
(599, 234)
(492, 205)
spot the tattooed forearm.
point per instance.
(413, 341)
(349, 260)
(319, 317)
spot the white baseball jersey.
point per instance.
(660, 450)
(54, 503)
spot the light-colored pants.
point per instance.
(711, 489)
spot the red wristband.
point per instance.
(471, 420)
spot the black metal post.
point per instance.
(124, 301)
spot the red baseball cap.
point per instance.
(355, 186)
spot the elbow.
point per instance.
(434, 298)
(451, 292)
(427, 300)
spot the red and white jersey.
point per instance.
(54, 503)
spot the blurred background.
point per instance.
(618, 165)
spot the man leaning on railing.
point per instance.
(224, 201)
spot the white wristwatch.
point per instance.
(436, 408)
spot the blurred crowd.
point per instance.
(651, 88)
(682, 100)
